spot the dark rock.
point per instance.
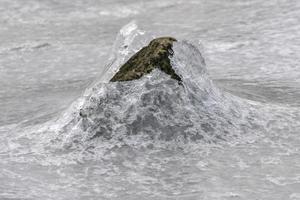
(155, 55)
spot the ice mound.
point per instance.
(154, 105)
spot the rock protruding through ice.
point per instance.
(155, 107)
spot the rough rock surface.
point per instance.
(155, 55)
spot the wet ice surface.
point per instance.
(52, 50)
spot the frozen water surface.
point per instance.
(230, 131)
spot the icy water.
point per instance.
(231, 130)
